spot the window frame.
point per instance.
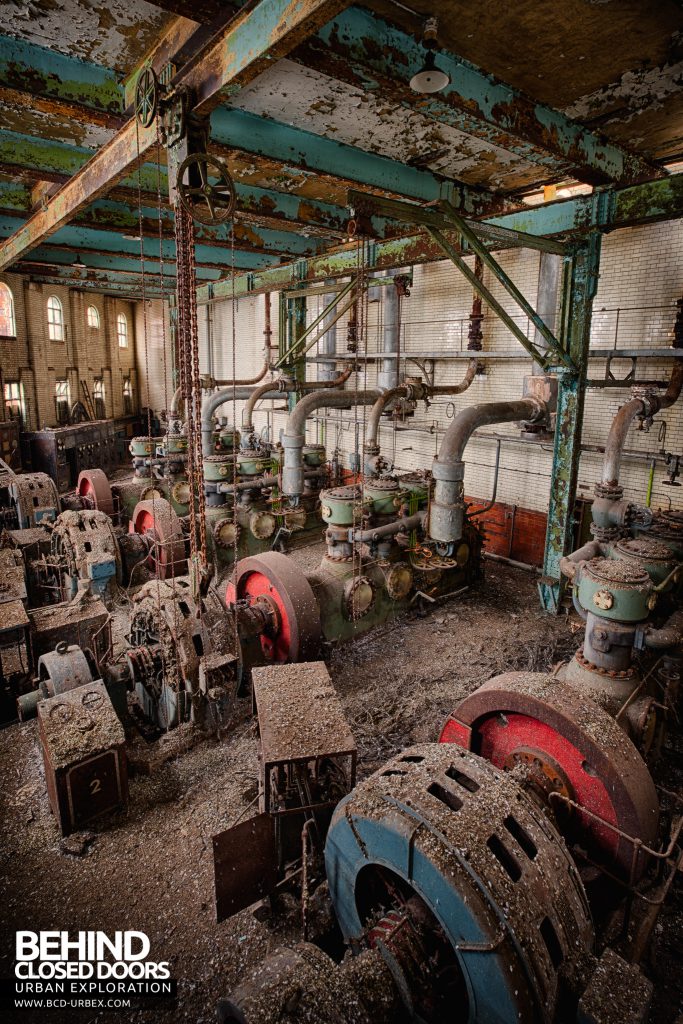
(93, 309)
(58, 336)
(122, 321)
(63, 399)
(18, 399)
(12, 312)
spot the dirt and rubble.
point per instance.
(150, 870)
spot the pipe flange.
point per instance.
(358, 597)
(262, 525)
(583, 661)
(612, 491)
(450, 472)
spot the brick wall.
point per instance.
(85, 354)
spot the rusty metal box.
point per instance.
(83, 745)
(86, 623)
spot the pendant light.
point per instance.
(430, 78)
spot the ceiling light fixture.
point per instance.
(79, 265)
(430, 77)
(132, 238)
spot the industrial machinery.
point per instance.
(452, 888)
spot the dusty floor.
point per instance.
(151, 870)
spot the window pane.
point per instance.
(93, 316)
(122, 330)
(55, 319)
(7, 325)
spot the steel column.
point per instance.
(578, 291)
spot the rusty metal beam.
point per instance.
(237, 56)
(638, 204)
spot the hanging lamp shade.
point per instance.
(430, 77)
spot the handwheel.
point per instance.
(275, 577)
(93, 487)
(572, 750)
(209, 202)
(146, 97)
(157, 520)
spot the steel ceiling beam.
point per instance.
(224, 66)
(105, 241)
(59, 255)
(233, 129)
(361, 49)
(638, 204)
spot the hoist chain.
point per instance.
(188, 357)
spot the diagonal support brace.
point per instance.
(480, 288)
(513, 291)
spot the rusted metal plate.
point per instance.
(300, 714)
(245, 865)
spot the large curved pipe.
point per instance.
(624, 418)
(412, 391)
(219, 398)
(447, 509)
(209, 383)
(288, 385)
(294, 434)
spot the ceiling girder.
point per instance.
(235, 57)
(361, 49)
(638, 204)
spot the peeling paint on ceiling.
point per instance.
(305, 98)
(115, 34)
(631, 94)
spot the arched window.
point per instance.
(93, 317)
(55, 319)
(122, 330)
(98, 396)
(8, 327)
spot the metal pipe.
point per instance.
(286, 384)
(492, 502)
(387, 375)
(213, 402)
(208, 383)
(457, 389)
(511, 561)
(329, 340)
(447, 509)
(648, 406)
(387, 529)
(570, 563)
(267, 480)
(294, 434)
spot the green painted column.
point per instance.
(579, 285)
(292, 326)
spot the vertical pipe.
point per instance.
(549, 270)
(328, 346)
(388, 370)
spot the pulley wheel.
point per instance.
(274, 576)
(93, 487)
(146, 97)
(208, 201)
(570, 747)
(157, 520)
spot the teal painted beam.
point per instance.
(607, 210)
(232, 59)
(58, 161)
(239, 129)
(105, 241)
(53, 255)
(51, 75)
(366, 51)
